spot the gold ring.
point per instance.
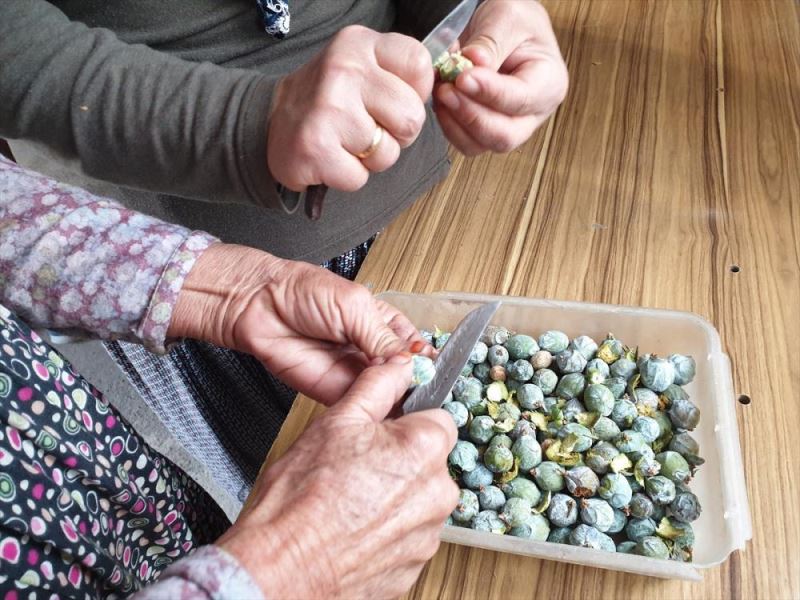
(376, 141)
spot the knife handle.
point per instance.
(315, 195)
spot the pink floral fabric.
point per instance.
(72, 261)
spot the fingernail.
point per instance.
(400, 359)
(449, 99)
(417, 347)
(468, 84)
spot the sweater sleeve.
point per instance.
(71, 261)
(210, 573)
(132, 115)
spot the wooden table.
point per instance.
(670, 177)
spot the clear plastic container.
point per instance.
(724, 525)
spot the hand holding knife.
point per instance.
(437, 42)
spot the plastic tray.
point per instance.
(724, 525)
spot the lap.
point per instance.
(87, 509)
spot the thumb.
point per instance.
(493, 34)
(377, 389)
(485, 51)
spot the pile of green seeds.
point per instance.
(575, 442)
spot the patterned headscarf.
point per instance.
(275, 17)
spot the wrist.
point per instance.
(264, 557)
(217, 290)
(273, 553)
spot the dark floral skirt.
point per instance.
(87, 509)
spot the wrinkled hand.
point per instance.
(518, 80)
(326, 112)
(314, 330)
(356, 506)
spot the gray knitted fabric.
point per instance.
(223, 406)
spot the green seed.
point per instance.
(585, 345)
(685, 507)
(478, 478)
(423, 370)
(549, 476)
(522, 488)
(615, 489)
(479, 353)
(657, 373)
(660, 489)
(535, 528)
(467, 507)
(501, 439)
(528, 451)
(626, 547)
(516, 511)
(521, 347)
(652, 547)
(498, 355)
(546, 380)
(582, 482)
(685, 368)
(570, 361)
(463, 456)
(521, 370)
(553, 341)
(458, 411)
(599, 399)
(491, 497)
(498, 459)
(610, 350)
(597, 513)
(638, 529)
(481, 430)
(684, 414)
(560, 535)
(599, 458)
(570, 386)
(623, 368)
(674, 466)
(605, 429)
(530, 397)
(488, 521)
(563, 510)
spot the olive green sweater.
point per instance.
(163, 105)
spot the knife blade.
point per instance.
(445, 33)
(451, 360)
(437, 41)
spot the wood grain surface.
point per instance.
(670, 177)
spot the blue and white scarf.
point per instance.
(275, 17)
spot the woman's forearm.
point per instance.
(72, 261)
(132, 115)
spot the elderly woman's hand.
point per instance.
(326, 113)
(314, 330)
(356, 506)
(518, 80)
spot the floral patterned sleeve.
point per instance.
(208, 573)
(72, 261)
